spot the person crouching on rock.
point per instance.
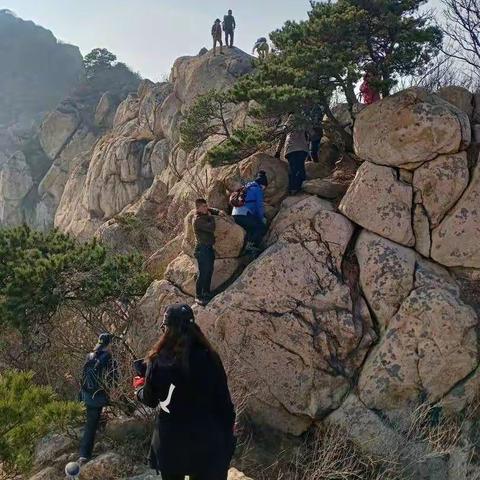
(249, 211)
(185, 378)
(100, 373)
(217, 36)
(204, 228)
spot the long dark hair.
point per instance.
(177, 342)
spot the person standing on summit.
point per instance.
(229, 26)
(217, 36)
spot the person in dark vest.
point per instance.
(217, 36)
(186, 382)
(229, 26)
(204, 229)
(99, 375)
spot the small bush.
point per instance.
(27, 413)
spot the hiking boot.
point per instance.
(82, 461)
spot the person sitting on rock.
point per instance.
(99, 375)
(186, 382)
(217, 36)
(229, 26)
(249, 211)
(204, 228)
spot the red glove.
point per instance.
(138, 382)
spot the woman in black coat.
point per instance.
(186, 380)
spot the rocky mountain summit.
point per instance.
(364, 304)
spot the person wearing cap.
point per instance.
(186, 382)
(204, 229)
(217, 36)
(100, 373)
(251, 216)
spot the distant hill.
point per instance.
(36, 70)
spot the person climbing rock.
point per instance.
(99, 375)
(297, 148)
(186, 381)
(262, 48)
(316, 133)
(368, 93)
(229, 26)
(204, 228)
(217, 36)
(249, 211)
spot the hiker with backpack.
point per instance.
(229, 26)
(217, 36)
(186, 382)
(248, 204)
(99, 375)
(204, 229)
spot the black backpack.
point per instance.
(94, 372)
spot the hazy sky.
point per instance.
(149, 35)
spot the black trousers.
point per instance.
(91, 426)
(296, 170)
(229, 36)
(315, 150)
(254, 227)
(207, 476)
(205, 256)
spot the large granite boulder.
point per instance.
(380, 202)
(182, 272)
(441, 183)
(57, 129)
(411, 126)
(229, 237)
(300, 331)
(430, 343)
(455, 240)
(458, 96)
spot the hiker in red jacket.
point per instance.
(368, 93)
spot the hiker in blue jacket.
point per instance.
(251, 216)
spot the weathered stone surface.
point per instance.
(127, 110)
(229, 237)
(146, 329)
(379, 202)
(410, 126)
(441, 183)
(48, 473)
(160, 260)
(421, 228)
(152, 99)
(194, 76)
(105, 111)
(386, 274)
(108, 466)
(293, 380)
(182, 272)
(458, 96)
(246, 170)
(15, 183)
(455, 240)
(429, 346)
(159, 156)
(324, 188)
(56, 130)
(234, 474)
(51, 447)
(371, 435)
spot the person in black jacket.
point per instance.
(186, 381)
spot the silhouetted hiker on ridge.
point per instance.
(229, 26)
(217, 36)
